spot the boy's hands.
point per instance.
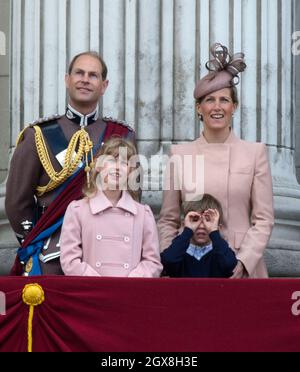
(211, 220)
(192, 220)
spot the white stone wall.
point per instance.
(297, 87)
(6, 237)
(156, 51)
(4, 87)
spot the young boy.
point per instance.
(200, 251)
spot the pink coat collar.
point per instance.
(99, 203)
(232, 138)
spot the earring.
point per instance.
(200, 116)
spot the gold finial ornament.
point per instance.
(32, 295)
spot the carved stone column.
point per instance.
(155, 51)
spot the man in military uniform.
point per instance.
(50, 150)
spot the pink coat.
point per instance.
(98, 239)
(237, 173)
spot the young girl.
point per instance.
(108, 233)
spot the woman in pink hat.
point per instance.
(234, 171)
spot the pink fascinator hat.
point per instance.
(223, 71)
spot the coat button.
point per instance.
(126, 239)
(99, 237)
(98, 264)
(126, 266)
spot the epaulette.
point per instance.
(45, 120)
(121, 122)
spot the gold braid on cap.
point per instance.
(224, 61)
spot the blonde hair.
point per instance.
(111, 147)
(206, 202)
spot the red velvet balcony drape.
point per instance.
(123, 314)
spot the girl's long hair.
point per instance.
(112, 147)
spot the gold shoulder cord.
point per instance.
(85, 145)
(20, 136)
